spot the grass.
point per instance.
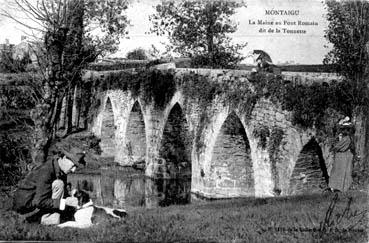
(241, 220)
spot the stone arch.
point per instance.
(175, 146)
(231, 167)
(310, 173)
(107, 143)
(135, 136)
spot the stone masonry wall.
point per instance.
(309, 174)
(107, 136)
(231, 164)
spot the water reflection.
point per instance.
(127, 188)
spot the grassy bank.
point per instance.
(291, 219)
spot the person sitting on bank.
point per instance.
(40, 197)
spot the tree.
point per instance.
(137, 54)
(348, 31)
(199, 29)
(70, 33)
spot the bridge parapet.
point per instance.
(297, 78)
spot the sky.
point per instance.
(307, 46)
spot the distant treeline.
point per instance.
(312, 68)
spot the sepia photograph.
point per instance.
(184, 120)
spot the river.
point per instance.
(128, 188)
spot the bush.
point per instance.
(10, 65)
(14, 158)
(137, 54)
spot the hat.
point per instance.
(76, 155)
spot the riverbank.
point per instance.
(283, 219)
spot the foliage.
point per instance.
(202, 91)
(8, 64)
(118, 65)
(107, 17)
(198, 29)
(276, 137)
(137, 54)
(262, 133)
(16, 98)
(200, 88)
(74, 33)
(308, 103)
(348, 31)
(152, 85)
(94, 144)
(14, 157)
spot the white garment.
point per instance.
(82, 217)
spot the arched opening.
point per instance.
(175, 146)
(135, 136)
(107, 143)
(310, 173)
(231, 169)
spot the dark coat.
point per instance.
(35, 190)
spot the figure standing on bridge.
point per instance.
(340, 177)
(263, 61)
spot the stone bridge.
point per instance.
(228, 151)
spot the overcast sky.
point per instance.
(303, 48)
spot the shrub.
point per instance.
(14, 158)
(10, 65)
(137, 54)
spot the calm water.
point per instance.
(129, 188)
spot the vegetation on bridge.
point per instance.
(151, 85)
(308, 103)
